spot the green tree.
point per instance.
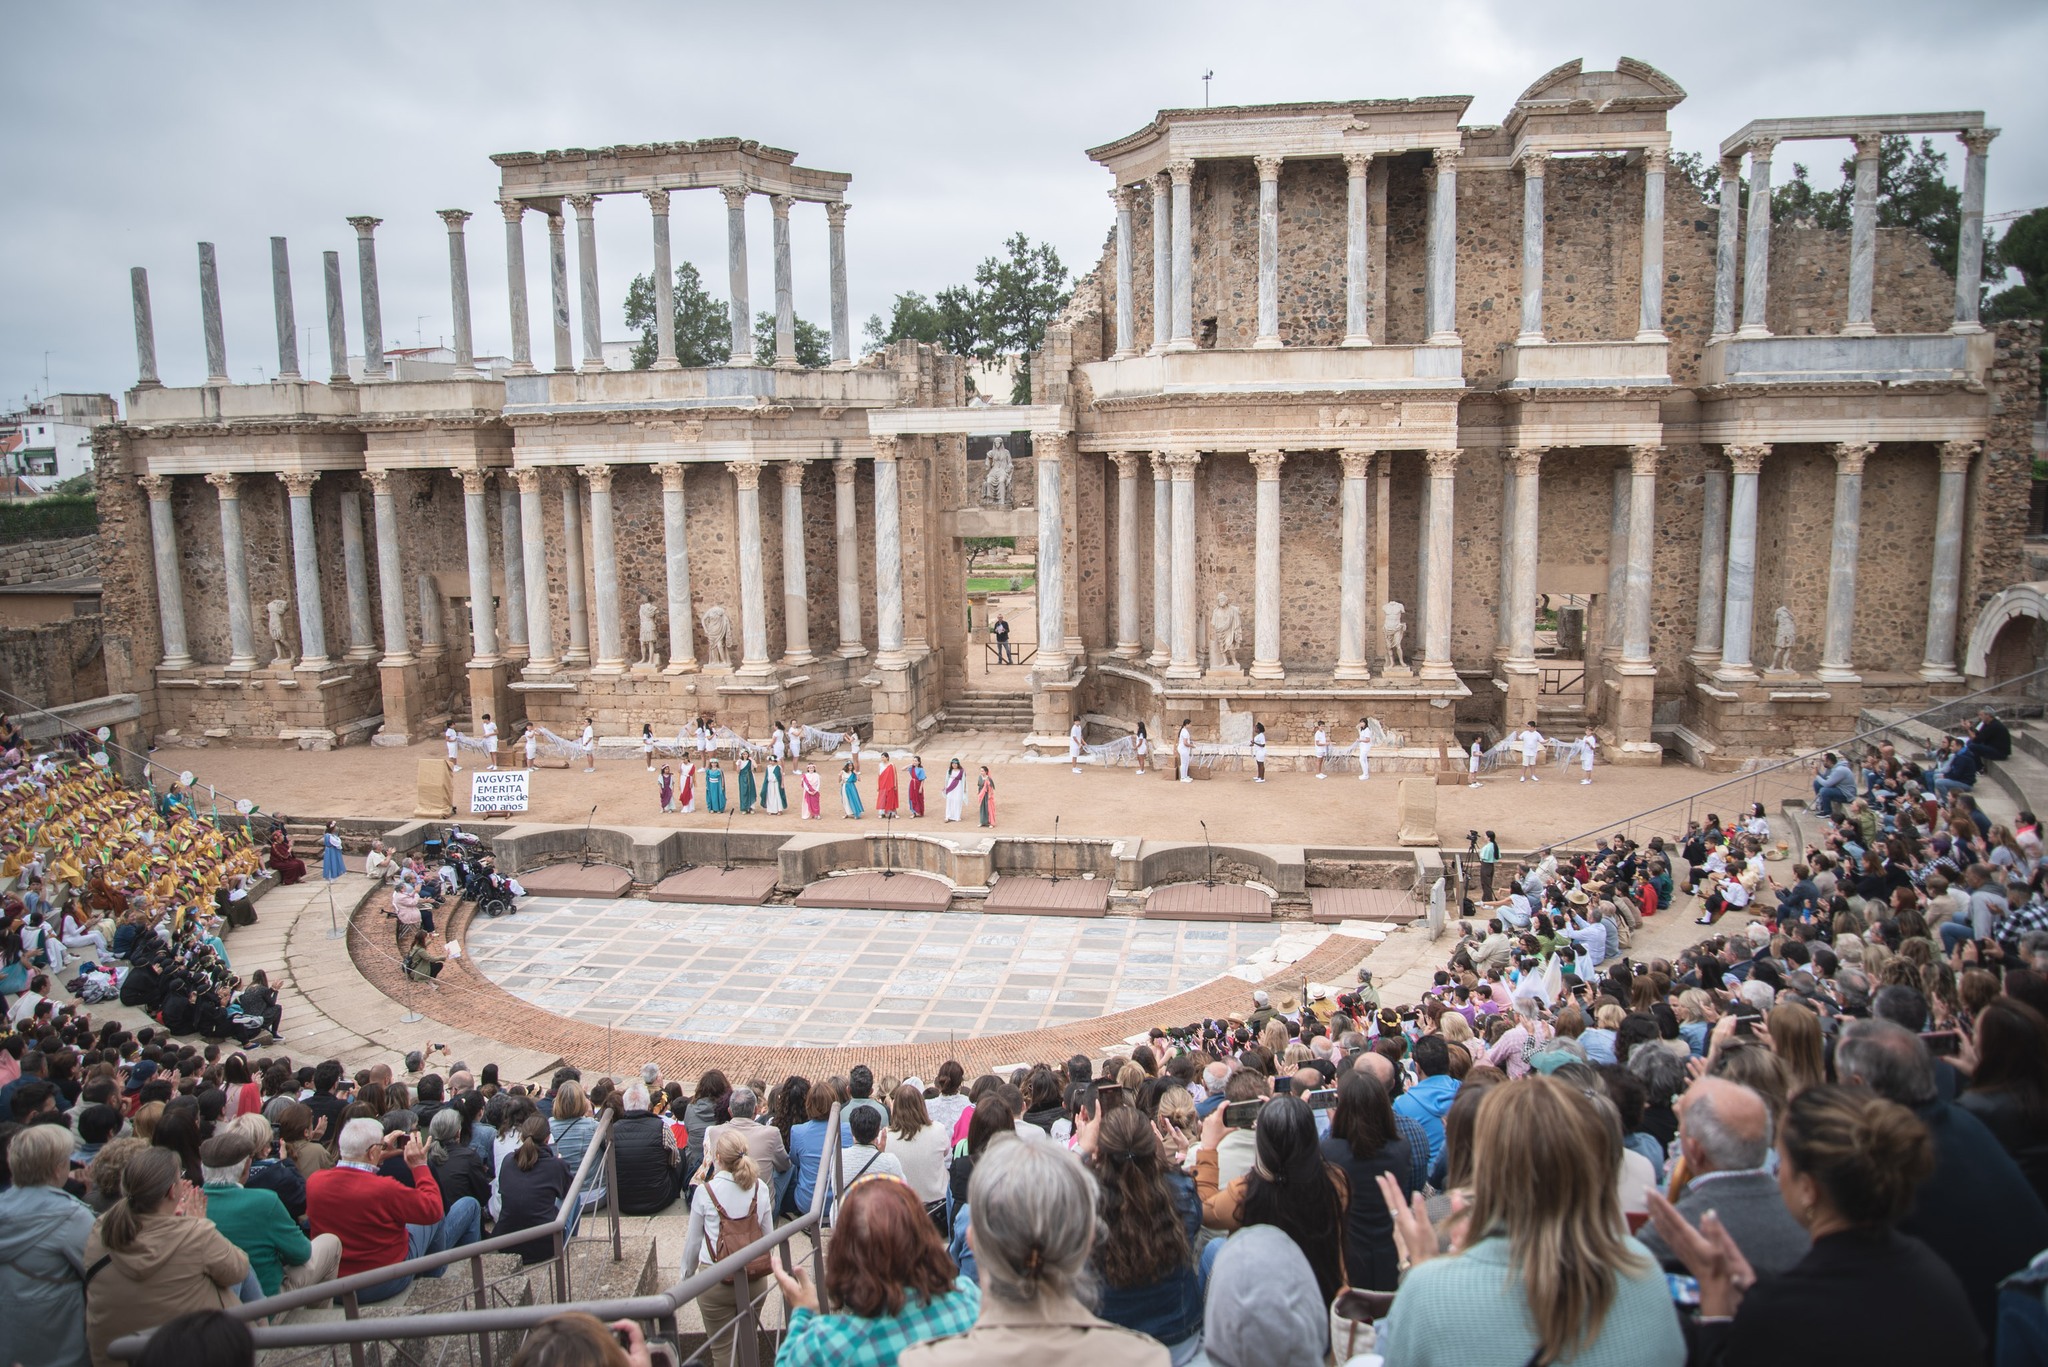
(2024, 249)
(703, 324)
(980, 548)
(1005, 312)
(948, 320)
(1911, 193)
(813, 343)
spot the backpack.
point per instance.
(735, 1233)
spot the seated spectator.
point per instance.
(43, 1230)
(1426, 1102)
(164, 1258)
(649, 1161)
(919, 1146)
(732, 1209)
(1724, 1135)
(867, 1157)
(764, 1142)
(575, 1339)
(256, 1221)
(381, 1221)
(572, 1127)
(1290, 1186)
(807, 1143)
(267, 1170)
(888, 1282)
(204, 1338)
(1364, 1142)
(1263, 1307)
(2009, 1087)
(531, 1186)
(459, 1170)
(1144, 1256)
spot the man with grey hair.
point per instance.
(379, 1220)
(1213, 1078)
(281, 1257)
(1724, 1131)
(650, 1077)
(650, 1162)
(764, 1142)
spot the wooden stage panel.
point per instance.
(740, 887)
(1043, 897)
(1328, 906)
(573, 880)
(876, 892)
(1194, 902)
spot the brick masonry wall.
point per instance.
(38, 562)
(2001, 480)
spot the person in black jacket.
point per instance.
(1989, 737)
(2009, 1089)
(1365, 1142)
(531, 1185)
(649, 1161)
(459, 1170)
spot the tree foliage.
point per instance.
(703, 324)
(1005, 312)
(813, 343)
(1911, 193)
(2023, 249)
(947, 320)
(981, 548)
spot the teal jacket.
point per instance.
(255, 1221)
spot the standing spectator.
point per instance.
(1365, 1143)
(163, 1256)
(380, 1220)
(43, 1230)
(255, 1220)
(731, 1210)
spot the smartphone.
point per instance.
(1323, 1100)
(1685, 1290)
(1745, 1026)
(1942, 1043)
(1109, 1096)
(1242, 1115)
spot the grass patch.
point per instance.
(1001, 585)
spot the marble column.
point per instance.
(1727, 246)
(1642, 551)
(515, 281)
(431, 645)
(1863, 236)
(390, 572)
(558, 292)
(1048, 450)
(209, 317)
(754, 659)
(1351, 567)
(476, 526)
(1614, 608)
(281, 309)
(785, 286)
(1706, 638)
(1125, 323)
(1419, 609)
(1533, 163)
(1443, 265)
(234, 554)
(1266, 567)
(1525, 549)
(337, 322)
(1162, 263)
(586, 278)
(373, 308)
(736, 273)
(1738, 609)
(1183, 177)
(675, 545)
(1186, 661)
(540, 630)
(512, 546)
(842, 320)
(355, 577)
(1970, 237)
(1840, 631)
(1756, 260)
(664, 286)
(1945, 584)
(889, 558)
(604, 552)
(575, 593)
(458, 292)
(846, 540)
(1650, 320)
(1269, 251)
(1162, 562)
(1382, 539)
(1436, 641)
(1126, 463)
(1357, 247)
(170, 586)
(796, 599)
(145, 330)
(305, 571)
(1510, 487)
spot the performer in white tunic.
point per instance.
(1259, 753)
(1472, 764)
(779, 745)
(1141, 746)
(589, 744)
(1322, 751)
(532, 745)
(647, 744)
(448, 735)
(1364, 749)
(1531, 745)
(956, 791)
(491, 740)
(1184, 751)
(705, 743)
(1587, 745)
(1074, 745)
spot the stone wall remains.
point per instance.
(50, 666)
(39, 562)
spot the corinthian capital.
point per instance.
(299, 483)
(735, 196)
(1654, 159)
(885, 445)
(1978, 140)
(1443, 463)
(1746, 460)
(1445, 160)
(1534, 161)
(1182, 464)
(1357, 163)
(671, 472)
(835, 214)
(454, 218)
(1850, 455)
(513, 210)
(1642, 460)
(1527, 460)
(158, 487)
(1357, 464)
(473, 481)
(599, 477)
(584, 205)
(379, 482)
(1267, 463)
(530, 480)
(1126, 463)
(745, 473)
(225, 483)
(1761, 150)
(1050, 445)
(1956, 456)
(793, 473)
(1268, 166)
(1181, 171)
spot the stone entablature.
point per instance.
(635, 168)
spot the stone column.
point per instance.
(1510, 488)
(1642, 549)
(234, 554)
(889, 558)
(1186, 661)
(1266, 567)
(1357, 247)
(1162, 263)
(785, 287)
(1945, 585)
(846, 537)
(842, 324)
(558, 290)
(1382, 538)
(1125, 325)
(1528, 466)
(736, 273)
(1047, 449)
(431, 645)
(1183, 176)
(373, 309)
(1863, 236)
(796, 606)
(1970, 237)
(170, 587)
(1126, 463)
(145, 330)
(355, 575)
(337, 323)
(586, 274)
(1650, 322)
(305, 571)
(675, 545)
(515, 281)
(664, 286)
(1533, 162)
(1706, 638)
(611, 646)
(1727, 246)
(1162, 562)
(1443, 265)
(512, 546)
(1614, 614)
(1351, 569)
(1835, 663)
(1738, 611)
(390, 573)
(540, 630)
(281, 309)
(209, 317)
(754, 659)
(1756, 261)
(575, 593)
(1269, 251)
(1436, 643)
(476, 526)
(458, 292)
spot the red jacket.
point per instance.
(369, 1213)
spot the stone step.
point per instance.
(2032, 737)
(2019, 782)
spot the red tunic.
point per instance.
(885, 788)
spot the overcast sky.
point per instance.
(134, 131)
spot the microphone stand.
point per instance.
(726, 865)
(1209, 858)
(889, 844)
(1055, 849)
(587, 851)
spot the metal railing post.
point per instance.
(561, 1277)
(483, 1302)
(611, 1197)
(746, 1326)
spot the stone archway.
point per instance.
(1991, 644)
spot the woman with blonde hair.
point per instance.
(733, 1209)
(1795, 1038)
(1546, 1249)
(163, 1257)
(1457, 1030)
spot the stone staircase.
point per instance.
(989, 712)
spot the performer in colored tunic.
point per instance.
(667, 787)
(956, 790)
(290, 868)
(886, 799)
(985, 797)
(686, 787)
(714, 787)
(746, 784)
(917, 785)
(774, 800)
(849, 792)
(331, 866)
(812, 787)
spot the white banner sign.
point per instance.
(497, 790)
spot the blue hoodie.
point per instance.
(1425, 1104)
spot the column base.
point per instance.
(1267, 669)
(793, 660)
(1705, 660)
(1356, 339)
(1181, 344)
(608, 667)
(522, 368)
(742, 361)
(1863, 329)
(1124, 354)
(1940, 673)
(1531, 339)
(242, 664)
(1158, 659)
(1352, 669)
(1183, 671)
(841, 363)
(667, 363)
(1841, 674)
(1749, 331)
(1156, 349)
(541, 668)
(185, 662)
(1126, 650)
(675, 667)
(1439, 669)
(361, 654)
(892, 659)
(755, 669)
(593, 366)
(1966, 329)
(312, 664)
(1267, 344)
(851, 650)
(1652, 335)
(459, 373)
(1735, 673)
(786, 363)
(1444, 339)
(576, 659)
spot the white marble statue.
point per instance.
(1393, 631)
(1787, 637)
(648, 634)
(1226, 633)
(718, 635)
(995, 483)
(280, 642)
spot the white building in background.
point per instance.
(50, 440)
